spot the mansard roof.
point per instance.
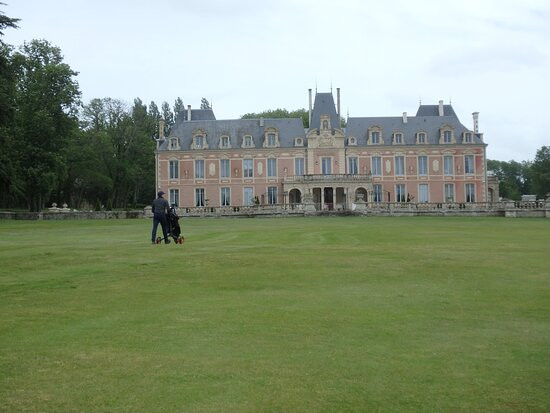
(198, 114)
(358, 128)
(236, 129)
(324, 105)
(433, 110)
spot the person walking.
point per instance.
(160, 209)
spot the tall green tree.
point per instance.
(280, 113)
(512, 176)
(47, 98)
(6, 22)
(179, 107)
(168, 117)
(540, 172)
(205, 104)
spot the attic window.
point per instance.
(375, 138)
(298, 142)
(468, 137)
(421, 138)
(447, 136)
(271, 138)
(398, 138)
(174, 143)
(247, 142)
(352, 141)
(224, 142)
(199, 141)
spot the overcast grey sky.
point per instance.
(250, 55)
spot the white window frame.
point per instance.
(398, 138)
(469, 166)
(470, 192)
(423, 165)
(271, 195)
(199, 168)
(376, 165)
(448, 165)
(326, 165)
(447, 136)
(225, 196)
(400, 196)
(225, 168)
(423, 197)
(449, 194)
(299, 166)
(173, 169)
(271, 167)
(421, 137)
(174, 197)
(199, 197)
(248, 168)
(399, 165)
(353, 165)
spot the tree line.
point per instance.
(98, 155)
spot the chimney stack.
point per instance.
(161, 129)
(338, 104)
(476, 125)
(404, 117)
(441, 108)
(188, 112)
(309, 107)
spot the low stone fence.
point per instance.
(48, 215)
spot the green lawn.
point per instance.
(286, 315)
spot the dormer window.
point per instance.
(352, 141)
(398, 138)
(271, 138)
(374, 136)
(446, 135)
(199, 140)
(298, 142)
(174, 144)
(248, 142)
(421, 138)
(225, 142)
(325, 124)
(467, 137)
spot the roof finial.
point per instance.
(420, 101)
(331, 86)
(347, 117)
(450, 101)
(315, 86)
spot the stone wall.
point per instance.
(47, 215)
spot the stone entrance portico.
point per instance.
(328, 192)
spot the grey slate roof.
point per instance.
(433, 110)
(198, 114)
(358, 128)
(324, 105)
(236, 129)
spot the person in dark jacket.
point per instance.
(160, 210)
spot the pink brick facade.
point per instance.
(206, 162)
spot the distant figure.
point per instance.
(160, 209)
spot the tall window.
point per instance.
(272, 167)
(199, 169)
(400, 165)
(470, 193)
(421, 137)
(224, 168)
(400, 193)
(377, 193)
(423, 193)
(248, 170)
(468, 164)
(449, 192)
(326, 166)
(299, 166)
(199, 197)
(248, 196)
(375, 138)
(225, 196)
(447, 136)
(353, 168)
(448, 165)
(377, 166)
(174, 170)
(423, 165)
(174, 197)
(272, 195)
